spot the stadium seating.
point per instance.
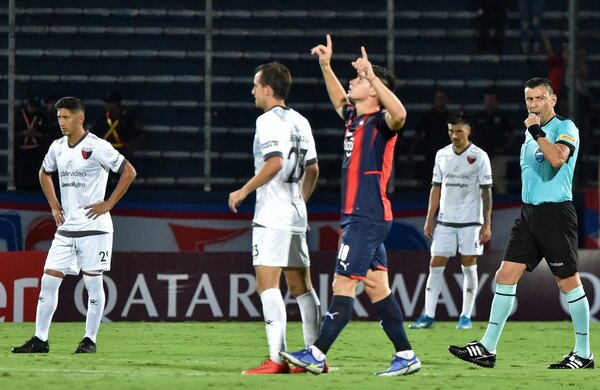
(155, 57)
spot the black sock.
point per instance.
(391, 318)
(337, 317)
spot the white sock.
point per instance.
(310, 311)
(275, 322)
(95, 306)
(408, 354)
(433, 289)
(470, 285)
(46, 306)
(317, 353)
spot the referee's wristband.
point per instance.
(536, 131)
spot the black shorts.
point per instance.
(545, 231)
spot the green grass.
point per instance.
(141, 355)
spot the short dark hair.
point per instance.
(537, 81)
(385, 76)
(112, 97)
(70, 103)
(277, 76)
(490, 91)
(459, 118)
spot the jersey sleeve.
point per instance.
(568, 135)
(437, 172)
(269, 134)
(109, 157)
(383, 126)
(49, 164)
(485, 171)
(311, 149)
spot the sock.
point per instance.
(390, 315)
(337, 317)
(310, 311)
(47, 303)
(95, 306)
(317, 353)
(502, 305)
(275, 322)
(408, 354)
(470, 285)
(580, 315)
(433, 289)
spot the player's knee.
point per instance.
(377, 293)
(343, 285)
(438, 261)
(55, 273)
(298, 289)
(468, 261)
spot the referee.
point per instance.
(546, 228)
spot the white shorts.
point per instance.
(70, 255)
(446, 239)
(279, 248)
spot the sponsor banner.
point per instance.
(171, 231)
(221, 286)
(591, 219)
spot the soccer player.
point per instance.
(373, 116)
(286, 171)
(461, 189)
(83, 240)
(546, 228)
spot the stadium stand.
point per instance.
(155, 57)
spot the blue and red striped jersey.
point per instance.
(368, 158)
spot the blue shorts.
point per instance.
(361, 248)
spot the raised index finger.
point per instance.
(329, 44)
(364, 53)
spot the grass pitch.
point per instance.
(140, 355)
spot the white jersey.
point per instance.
(83, 174)
(461, 177)
(283, 132)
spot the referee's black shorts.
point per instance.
(545, 231)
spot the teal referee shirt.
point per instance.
(541, 182)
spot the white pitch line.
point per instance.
(113, 372)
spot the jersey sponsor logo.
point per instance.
(539, 156)
(73, 184)
(457, 176)
(65, 173)
(269, 144)
(568, 138)
(348, 144)
(471, 159)
(86, 152)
